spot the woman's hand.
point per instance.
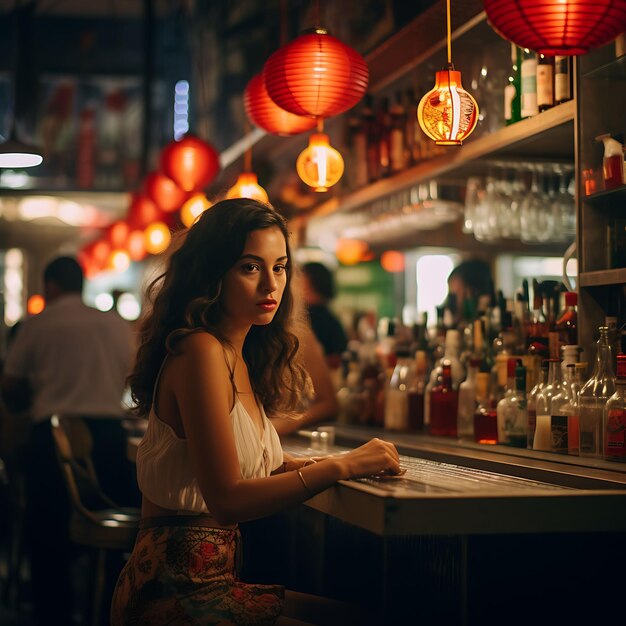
(374, 457)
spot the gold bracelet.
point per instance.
(304, 483)
(308, 462)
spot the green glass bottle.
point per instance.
(513, 89)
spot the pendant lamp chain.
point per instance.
(449, 32)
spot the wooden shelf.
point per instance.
(549, 135)
(619, 193)
(602, 278)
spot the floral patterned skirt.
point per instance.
(184, 575)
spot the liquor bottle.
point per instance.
(485, 417)
(397, 394)
(513, 89)
(529, 84)
(545, 82)
(543, 436)
(417, 389)
(370, 126)
(567, 320)
(593, 398)
(562, 79)
(397, 153)
(531, 404)
(358, 148)
(444, 404)
(383, 121)
(467, 401)
(506, 409)
(615, 417)
(411, 128)
(563, 416)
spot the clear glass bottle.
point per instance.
(529, 105)
(417, 389)
(563, 417)
(593, 397)
(615, 417)
(444, 404)
(507, 404)
(531, 404)
(397, 394)
(543, 432)
(514, 412)
(467, 401)
(485, 417)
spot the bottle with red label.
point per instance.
(615, 417)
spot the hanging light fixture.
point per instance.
(263, 112)
(448, 114)
(15, 153)
(190, 162)
(164, 192)
(563, 27)
(319, 165)
(193, 208)
(247, 185)
(316, 75)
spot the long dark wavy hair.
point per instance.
(185, 299)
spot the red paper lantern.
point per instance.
(191, 162)
(164, 192)
(142, 211)
(557, 27)
(117, 234)
(263, 112)
(316, 75)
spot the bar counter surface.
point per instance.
(452, 489)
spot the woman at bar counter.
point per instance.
(217, 349)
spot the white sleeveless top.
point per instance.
(164, 471)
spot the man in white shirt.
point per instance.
(70, 359)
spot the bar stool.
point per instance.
(103, 527)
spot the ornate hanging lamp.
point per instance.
(247, 185)
(563, 27)
(190, 162)
(164, 192)
(319, 165)
(448, 114)
(316, 75)
(263, 112)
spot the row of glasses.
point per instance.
(531, 202)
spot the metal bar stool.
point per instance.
(101, 529)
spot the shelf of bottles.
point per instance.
(509, 372)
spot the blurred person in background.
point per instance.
(318, 289)
(70, 360)
(468, 281)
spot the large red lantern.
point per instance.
(190, 162)
(164, 192)
(142, 212)
(263, 112)
(316, 75)
(556, 26)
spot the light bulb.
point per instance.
(448, 114)
(193, 208)
(247, 186)
(157, 238)
(319, 165)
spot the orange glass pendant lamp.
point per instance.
(316, 75)
(563, 27)
(157, 238)
(319, 165)
(247, 186)
(164, 192)
(193, 208)
(350, 251)
(190, 162)
(263, 112)
(448, 114)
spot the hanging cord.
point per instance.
(449, 36)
